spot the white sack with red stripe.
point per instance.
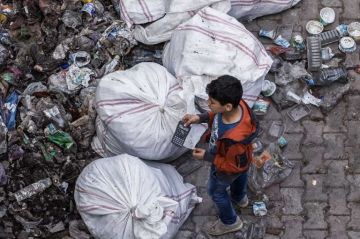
(139, 109)
(212, 44)
(122, 197)
(165, 16)
(251, 9)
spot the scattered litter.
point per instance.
(259, 209)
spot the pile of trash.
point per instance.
(52, 54)
(71, 70)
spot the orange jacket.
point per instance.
(234, 150)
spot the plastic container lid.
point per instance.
(354, 30)
(314, 27)
(327, 15)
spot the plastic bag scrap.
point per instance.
(226, 43)
(118, 39)
(290, 72)
(249, 10)
(122, 197)
(77, 77)
(274, 170)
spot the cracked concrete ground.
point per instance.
(324, 147)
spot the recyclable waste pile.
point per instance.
(55, 53)
(52, 54)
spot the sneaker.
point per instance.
(218, 228)
(243, 203)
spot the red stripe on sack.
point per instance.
(251, 3)
(148, 11)
(78, 188)
(187, 192)
(119, 103)
(254, 96)
(172, 90)
(146, 108)
(214, 18)
(144, 11)
(125, 14)
(131, 111)
(108, 119)
(94, 207)
(115, 100)
(231, 41)
(178, 219)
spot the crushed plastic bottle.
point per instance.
(10, 109)
(32, 189)
(328, 76)
(55, 116)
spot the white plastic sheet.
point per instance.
(251, 9)
(138, 111)
(122, 197)
(212, 44)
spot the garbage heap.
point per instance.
(51, 53)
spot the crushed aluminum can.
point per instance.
(282, 42)
(257, 146)
(259, 209)
(261, 106)
(269, 34)
(298, 42)
(89, 8)
(327, 54)
(327, 16)
(282, 142)
(342, 29)
(347, 45)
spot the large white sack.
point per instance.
(249, 10)
(212, 44)
(165, 16)
(122, 197)
(139, 109)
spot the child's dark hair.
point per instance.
(225, 89)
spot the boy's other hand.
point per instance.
(198, 153)
(190, 119)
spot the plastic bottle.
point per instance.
(32, 189)
(328, 76)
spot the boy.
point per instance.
(233, 127)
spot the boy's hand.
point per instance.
(190, 119)
(198, 153)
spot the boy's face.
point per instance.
(216, 107)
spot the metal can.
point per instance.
(259, 209)
(282, 142)
(347, 45)
(354, 30)
(270, 34)
(327, 16)
(89, 8)
(261, 106)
